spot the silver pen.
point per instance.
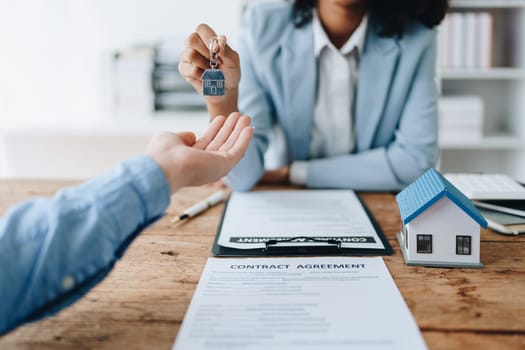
(198, 208)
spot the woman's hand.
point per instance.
(195, 59)
(280, 176)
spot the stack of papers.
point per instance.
(487, 186)
(500, 199)
(460, 120)
(503, 222)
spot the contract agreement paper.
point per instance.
(252, 219)
(297, 304)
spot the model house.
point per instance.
(213, 82)
(440, 225)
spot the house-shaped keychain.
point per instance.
(440, 225)
(213, 82)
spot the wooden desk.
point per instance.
(142, 302)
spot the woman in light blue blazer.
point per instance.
(349, 83)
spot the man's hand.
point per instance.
(187, 161)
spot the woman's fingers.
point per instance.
(196, 42)
(276, 176)
(189, 71)
(228, 57)
(193, 57)
(206, 34)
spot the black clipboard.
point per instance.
(303, 246)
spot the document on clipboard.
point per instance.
(304, 222)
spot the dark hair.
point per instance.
(393, 15)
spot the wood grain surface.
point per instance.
(142, 302)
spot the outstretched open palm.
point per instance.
(187, 161)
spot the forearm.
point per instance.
(250, 169)
(381, 169)
(53, 250)
(223, 105)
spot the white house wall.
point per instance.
(444, 220)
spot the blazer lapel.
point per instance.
(299, 71)
(376, 69)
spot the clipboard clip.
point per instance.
(302, 245)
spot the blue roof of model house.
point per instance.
(213, 74)
(427, 190)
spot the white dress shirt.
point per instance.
(332, 131)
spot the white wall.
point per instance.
(52, 51)
(53, 55)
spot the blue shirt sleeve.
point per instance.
(52, 251)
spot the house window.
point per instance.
(424, 244)
(463, 245)
(219, 83)
(207, 83)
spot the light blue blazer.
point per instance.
(395, 108)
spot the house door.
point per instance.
(214, 90)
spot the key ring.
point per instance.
(214, 43)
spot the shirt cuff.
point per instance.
(299, 172)
(133, 192)
(150, 182)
